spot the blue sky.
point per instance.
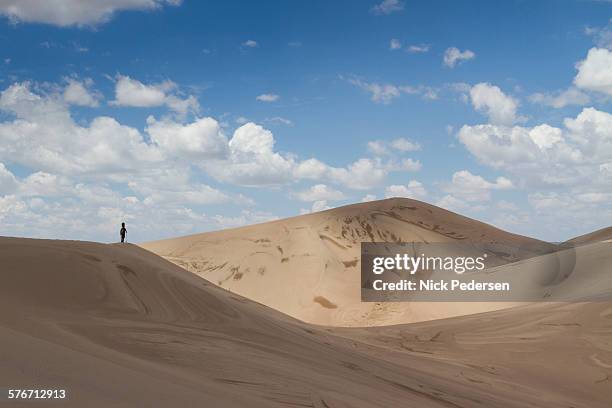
(180, 117)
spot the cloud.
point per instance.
(470, 187)
(378, 147)
(79, 93)
(404, 145)
(601, 35)
(87, 175)
(565, 212)
(491, 101)
(594, 73)
(44, 136)
(410, 165)
(381, 93)
(395, 44)
(246, 217)
(543, 154)
(399, 145)
(387, 7)
(202, 139)
(278, 120)
(570, 96)
(46, 185)
(79, 13)
(252, 160)
(8, 182)
(368, 197)
(386, 93)
(418, 49)
(320, 205)
(507, 206)
(453, 56)
(250, 44)
(131, 92)
(452, 203)
(91, 175)
(320, 192)
(192, 195)
(310, 169)
(426, 92)
(42, 202)
(363, 174)
(268, 97)
(414, 190)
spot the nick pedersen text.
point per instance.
(440, 285)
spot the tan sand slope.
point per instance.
(559, 352)
(308, 266)
(117, 326)
(604, 234)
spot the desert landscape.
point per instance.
(325, 204)
(270, 315)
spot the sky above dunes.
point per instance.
(186, 116)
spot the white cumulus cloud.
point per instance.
(320, 192)
(594, 72)
(471, 187)
(131, 92)
(490, 100)
(414, 189)
(453, 56)
(201, 139)
(65, 13)
(571, 155)
(79, 93)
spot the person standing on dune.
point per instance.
(123, 232)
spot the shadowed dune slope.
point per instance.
(117, 326)
(603, 234)
(308, 266)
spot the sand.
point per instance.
(308, 266)
(604, 234)
(117, 326)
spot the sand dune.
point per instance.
(118, 326)
(604, 234)
(308, 266)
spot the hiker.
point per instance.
(123, 232)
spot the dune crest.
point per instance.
(604, 234)
(308, 266)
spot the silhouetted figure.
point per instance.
(123, 232)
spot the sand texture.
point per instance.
(118, 326)
(308, 266)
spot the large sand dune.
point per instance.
(118, 326)
(308, 266)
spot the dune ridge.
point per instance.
(603, 234)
